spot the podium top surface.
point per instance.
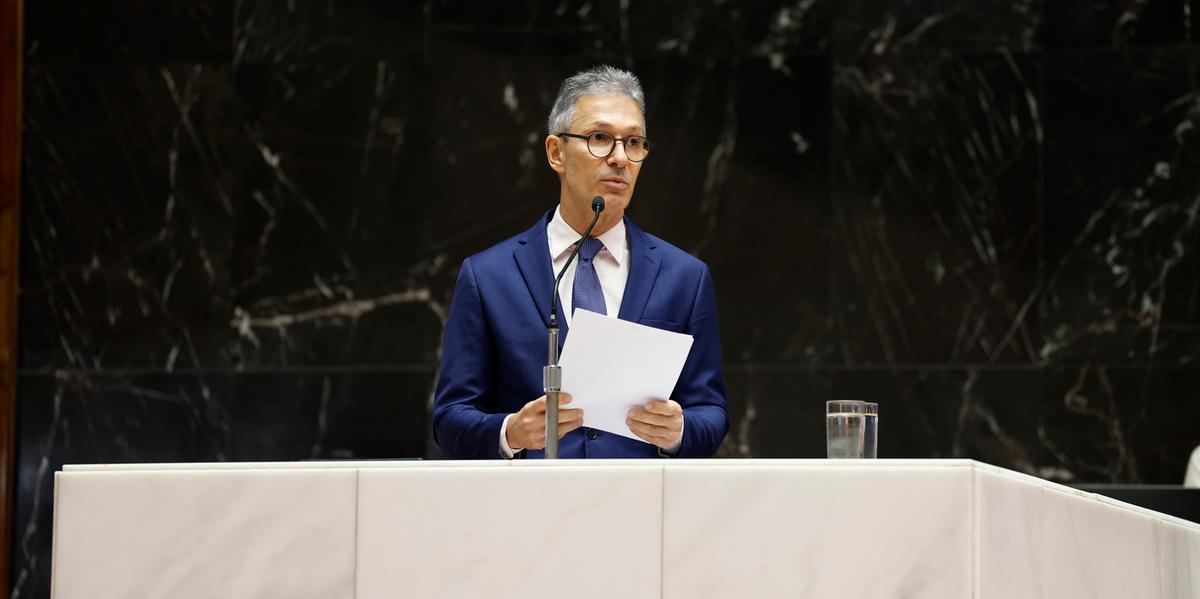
(670, 529)
(583, 463)
(947, 465)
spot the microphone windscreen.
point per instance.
(598, 204)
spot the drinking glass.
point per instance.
(844, 428)
(871, 430)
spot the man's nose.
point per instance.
(618, 156)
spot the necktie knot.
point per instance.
(591, 247)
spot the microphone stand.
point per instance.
(552, 372)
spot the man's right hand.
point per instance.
(527, 428)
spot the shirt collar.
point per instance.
(562, 237)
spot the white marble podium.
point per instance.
(927, 529)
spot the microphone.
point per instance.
(597, 208)
(552, 372)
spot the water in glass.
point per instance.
(844, 434)
(871, 431)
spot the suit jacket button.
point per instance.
(593, 433)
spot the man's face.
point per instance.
(586, 176)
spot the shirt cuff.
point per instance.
(674, 451)
(505, 451)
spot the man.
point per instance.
(487, 404)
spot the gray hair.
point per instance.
(596, 81)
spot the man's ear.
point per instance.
(554, 153)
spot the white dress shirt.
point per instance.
(612, 268)
(612, 264)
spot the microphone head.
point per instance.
(598, 204)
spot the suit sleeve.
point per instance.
(701, 387)
(463, 423)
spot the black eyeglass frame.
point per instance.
(588, 139)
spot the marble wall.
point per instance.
(243, 220)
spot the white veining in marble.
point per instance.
(533, 531)
(801, 531)
(205, 534)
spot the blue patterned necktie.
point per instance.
(586, 292)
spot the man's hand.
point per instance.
(527, 428)
(659, 422)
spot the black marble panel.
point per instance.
(775, 412)
(988, 414)
(629, 33)
(278, 32)
(281, 32)
(936, 208)
(330, 415)
(1086, 424)
(1116, 24)
(866, 29)
(1119, 424)
(129, 31)
(127, 207)
(333, 262)
(713, 29)
(741, 180)
(1122, 252)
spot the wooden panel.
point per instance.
(11, 22)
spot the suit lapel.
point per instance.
(533, 260)
(644, 264)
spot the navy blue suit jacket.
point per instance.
(495, 345)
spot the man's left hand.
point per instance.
(659, 422)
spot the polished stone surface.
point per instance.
(205, 533)
(759, 529)
(937, 529)
(511, 532)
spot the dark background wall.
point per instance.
(243, 221)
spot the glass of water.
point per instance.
(871, 430)
(845, 423)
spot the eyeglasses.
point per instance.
(602, 144)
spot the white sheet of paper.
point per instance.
(611, 365)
